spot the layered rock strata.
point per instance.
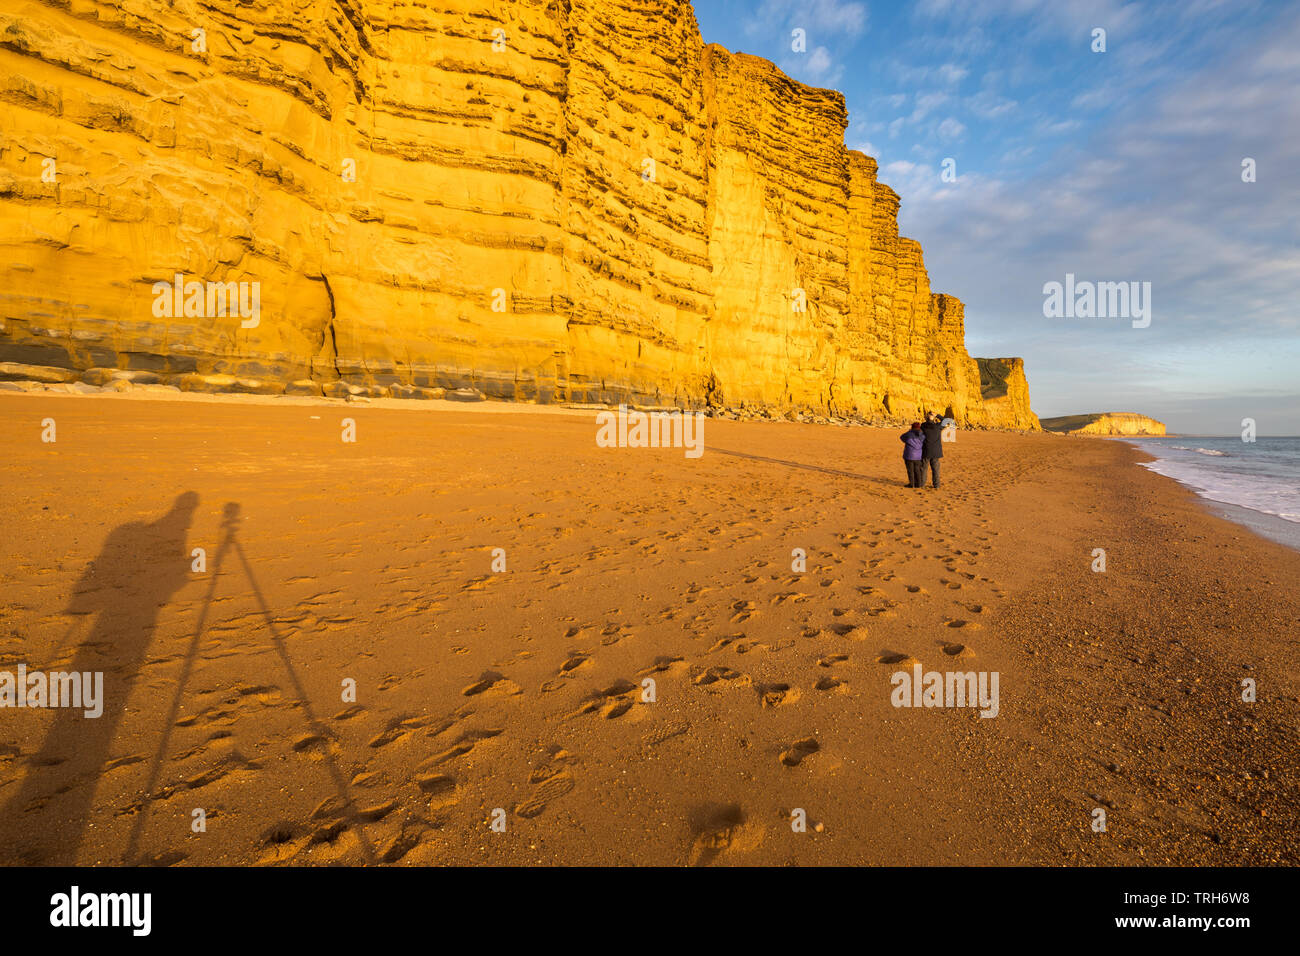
(1005, 392)
(537, 200)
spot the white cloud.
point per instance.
(989, 105)
(816, 68)
(1059, 17)
(951, 74)
(950, 129)
(823, 19)
(927, 103)
(1155, 195)
(945, 74)
(819, 62)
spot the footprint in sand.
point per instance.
(613, 633)
(715, 674)
(498, 684)
(959, 622)
(575, 661)
(895, 658)
(281, 842)
(317, 745)
(616, 708)
(958, 650)
(439, 788)
(832, 659)
(390, 734)
(799, 751)
(744, 611)
(549, 784)
(463, 745)
(829, 683)
(665, 731)
(614, 701)
(717, 828)
(375, 813)
(772, 695)
(403, 842)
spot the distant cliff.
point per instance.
(1006, 393)
(1105, 423)
(576, 201)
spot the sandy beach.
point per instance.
(521, 690)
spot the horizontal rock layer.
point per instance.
(1105, 423)
(541, 200)
(1005, 391)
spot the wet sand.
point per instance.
(372, 562)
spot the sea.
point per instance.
(1253, 483)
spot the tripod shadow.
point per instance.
(138, 571)
(230, 541)
(140, 568)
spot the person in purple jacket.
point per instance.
(913, 445)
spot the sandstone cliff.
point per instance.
(1005, 391)
(1105, 423)
(540, 200)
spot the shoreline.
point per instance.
(519, 690)
(1265, 525)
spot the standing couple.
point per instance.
(923, 443)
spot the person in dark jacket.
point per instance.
(932, 449)
(913, 445)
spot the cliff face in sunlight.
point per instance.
(544, 201)
(1006, 393)
(1105, 423)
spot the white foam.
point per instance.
(1272, 497)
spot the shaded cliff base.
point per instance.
(373, 561)
(106, 382)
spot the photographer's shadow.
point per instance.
(138, 571)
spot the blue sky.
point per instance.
(1123, 165)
